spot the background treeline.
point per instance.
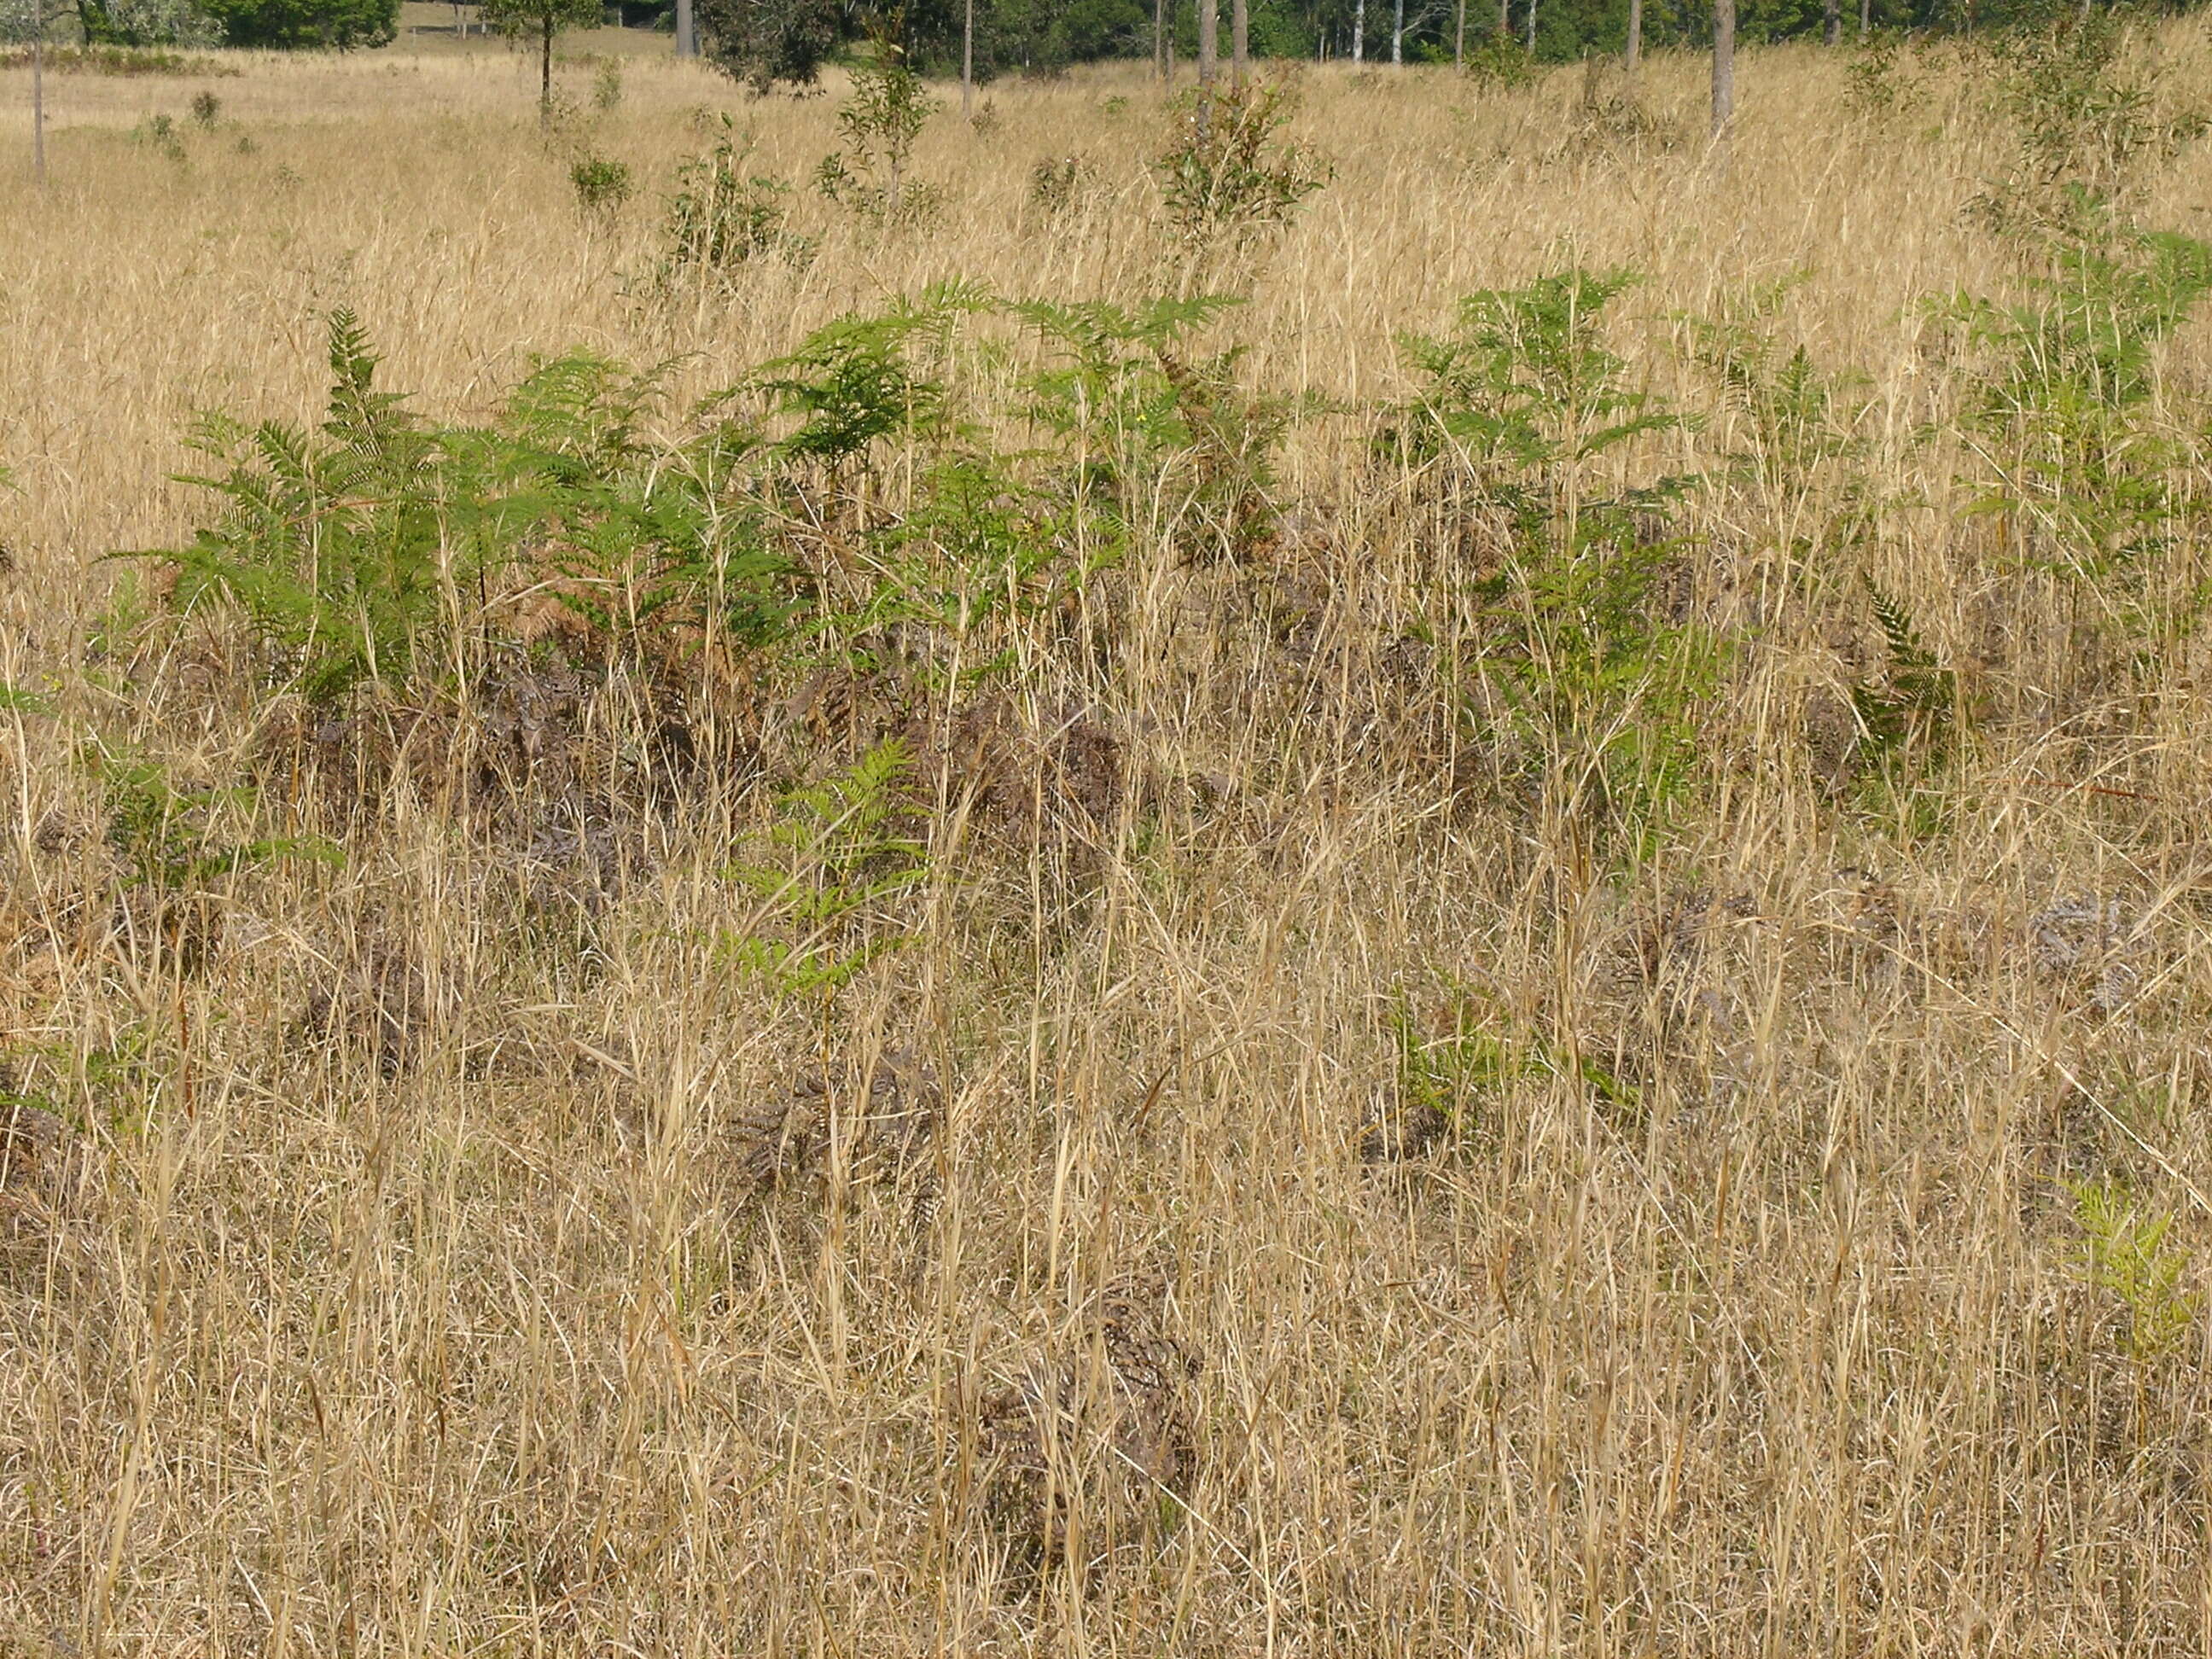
(1045, 36)
(1015, 35)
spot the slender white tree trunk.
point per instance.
(1724, 66)
(39, 92)
(1532, 27)
(1360, 31)
(1398, 33)
(1832, 25)
(966, 62)
(1635, 54)
(687, 31)
(1240, 39)
(1459, 39)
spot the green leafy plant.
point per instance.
(1913, 705)
(880, 121)
(1795, 415)
(159, 132)
(719, 217)
(2080, 473)
(646, 545)
(333, 543)
(164, 833)
(977, 548)
(1444, 1076)
(1227, 171)
(1059, 183)
(863, 378)
(1878, 82)
(2125, 1254)
(841, 853)
(206, 107)
(607, 85)
(601, 185)
(1500, 60)
(1601, 680)
(367, 551)
(1146, 425)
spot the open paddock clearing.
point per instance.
(1196, 980)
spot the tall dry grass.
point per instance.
(389, 1279)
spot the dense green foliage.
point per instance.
(343, 24)
(787, 41)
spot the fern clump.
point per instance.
(372, 550)
(1600, 682)
(2083, 474)
(840, 853)
(2126, 1252)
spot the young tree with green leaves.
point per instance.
(542, 19)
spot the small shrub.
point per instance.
(880, 121)
(1500, 61)
(1227, 171)
(206, 106)
(1910, 708)
(602, 185)
(364, 554)
(2081, 473)
(162, 832)
(719, 217)
(159, 132)
(607, 85)
(1151, 424)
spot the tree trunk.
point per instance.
(1459, 36)
(1398, 33)
(545, 70)
(1360, 31)
(1505, 18)
(1160, 38)
(1832, 28)
(1532, 27)
(1724, 66)
(967, 60)
(1866, 18)
(1240, 39)
(1635, 53)
(39, 92)
(687, 31)
(1209, 40)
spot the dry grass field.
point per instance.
(1366, 1093)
